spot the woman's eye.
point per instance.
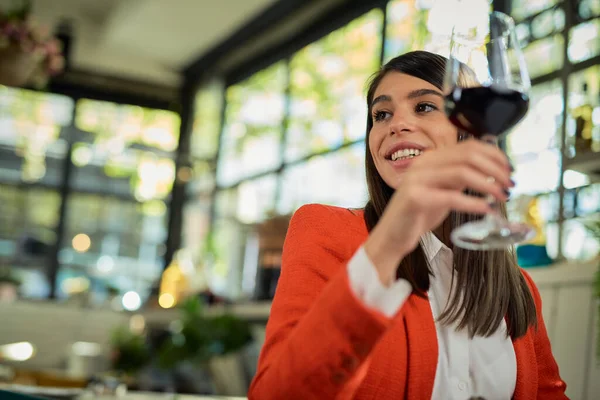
(425, 107)
(380, 115)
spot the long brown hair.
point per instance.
(492, 286)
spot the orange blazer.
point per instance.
(323, 343)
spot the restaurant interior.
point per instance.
(153, 153)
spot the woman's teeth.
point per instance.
(406, 153)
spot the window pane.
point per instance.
(537, 173)
(588, 9)
(584, 41)
(578, 243)
(588, 200)
(28, 219)
(540, 129)
(203, 177)
(112, 242)
(336, 178)
(584, 112)
(427, 24)
(328, 77)
(196, 220)
(524, 8)
(406, 27)
(250, 202)
(253, 124)
(551, 21)
(130, 173)
(117, 126)
(207, 120)
(31, 148)
(550, 50)
(224, 269)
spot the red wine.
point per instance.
(486, 110)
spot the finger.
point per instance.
(459, 178)
(461, 202)
(488, 159)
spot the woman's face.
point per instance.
(408, 119)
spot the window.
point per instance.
(112, 243)
(253, 126)
(328, 77)
(337, 179)
(525, 8)
(31, 126)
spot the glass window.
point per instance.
(132, 173)
(583, 119)
(203, 176)
(223, 269)
(328, 77)
(196, 222)
(551, 21)
(537, 173)
(588, 9)
(540, 129)
(524, 8)
(588, 200)
(584, 41)
(249, 202)
(113, 243)
(117, 126)
(28, 219)
(337, 179)
(251, 138)
(407, 27)
(533, 145)
(31, 124)
(207, 120)
(578, 243)
(550, 50)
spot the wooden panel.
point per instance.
(593, 376)
(571, 337)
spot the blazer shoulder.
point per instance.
(327, 214)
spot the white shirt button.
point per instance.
(462, 386)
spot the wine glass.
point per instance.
(487, 93)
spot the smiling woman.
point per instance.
(375, 302)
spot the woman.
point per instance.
(369, 306)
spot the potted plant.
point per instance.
(129, 352)
(29, 54)
(212, 342)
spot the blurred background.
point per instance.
(152, 152)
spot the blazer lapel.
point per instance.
(527, 380)
(422, 347)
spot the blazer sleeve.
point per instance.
(550, 384)
(319, 335)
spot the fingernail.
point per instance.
(510, 166)
(507, 193)
(512, 183)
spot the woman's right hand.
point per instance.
(430, 188)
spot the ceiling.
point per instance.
(145, 40)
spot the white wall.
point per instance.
(571, 315)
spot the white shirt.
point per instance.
(466, 367)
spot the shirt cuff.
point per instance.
(366, 285)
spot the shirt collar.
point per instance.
(431, 245)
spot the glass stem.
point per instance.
(494, 218)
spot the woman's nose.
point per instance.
(402, 123)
